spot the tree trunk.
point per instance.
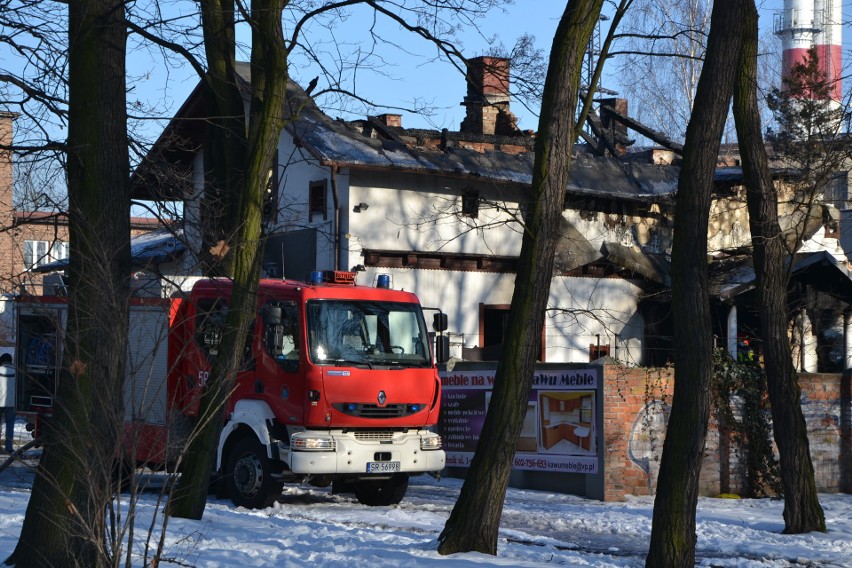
(65, 523)
(802, 511)
(224, 140)
(475, 520)
(673, 533)
(241, 229)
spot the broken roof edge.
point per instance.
(653, 266)
(336, 142)
(501, 181)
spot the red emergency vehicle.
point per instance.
(338, 384)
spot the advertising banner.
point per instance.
(560, 428)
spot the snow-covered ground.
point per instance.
(310, 526)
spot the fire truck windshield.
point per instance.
(352, 332)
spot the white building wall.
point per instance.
(580, 309)
(192, 217)
(419, 213)
(408, 212)
(424, 217)
(588, 311)
(296, 171)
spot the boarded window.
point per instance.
(317, 200)
(597, 351)
(837, 191)
(470, 204)
(493, 320)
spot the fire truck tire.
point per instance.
(382, 493)
(248, 475)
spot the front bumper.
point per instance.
(353, 451)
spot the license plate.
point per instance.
(382, 467)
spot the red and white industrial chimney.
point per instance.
(806, 24)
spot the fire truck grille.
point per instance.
(374, 435)
(376, 411)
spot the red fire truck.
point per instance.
(338, 384)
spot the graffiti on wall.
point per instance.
(645, 446)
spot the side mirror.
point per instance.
(439, 323)
(442, 349)
(272, 315)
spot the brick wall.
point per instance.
(17, 227)
(635, 401)
(826, 406)
(7, 239)
(635, 404)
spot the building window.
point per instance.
(597, 351)
(837, 191)
(493, 320)
(470, 204)
(317, 200)
(38, 253)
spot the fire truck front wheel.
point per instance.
(381, 493)
(248, 475)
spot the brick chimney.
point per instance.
(390, 119)
(9, 246)
(6, 185)
(615, 130)
(487, 99)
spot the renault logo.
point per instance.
(382, 398)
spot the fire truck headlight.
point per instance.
(311, 443)
(430, 442)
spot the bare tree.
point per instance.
(673, 532)
(475, 519)
(802, 511)
(67, 513)
(238, 155)
(33, 91)
(660, 51)
(238, 159)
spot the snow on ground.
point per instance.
(310, 526)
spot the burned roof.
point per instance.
(345, 144)
(730, 276)
(342, 143)
(654, 267)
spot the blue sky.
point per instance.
(409, 75)
(406, 78)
